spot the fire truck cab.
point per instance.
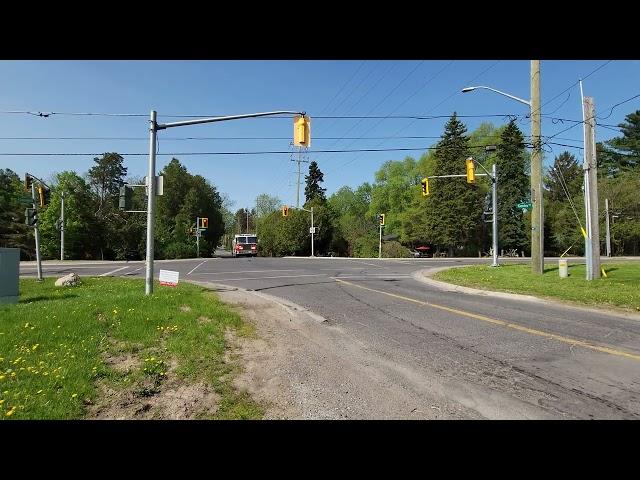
(244, 244)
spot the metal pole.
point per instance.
(247, 210)
(198, 237)
(151, 202)
(587, 197)
(537, 212)
(380, 244)
(36, 233)
(606, 210)
(299, 162)
(312, 235)
(494, 179)
(61, 225)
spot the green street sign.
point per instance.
(26, 200)
(524, 205)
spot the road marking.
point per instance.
(532, 331)
(367, 263)
(194, 268)
(248, 271)
(113, 271)
(261, 278)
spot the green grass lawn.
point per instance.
(621, 288)
(54, 341)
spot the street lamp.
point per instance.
(537, 212)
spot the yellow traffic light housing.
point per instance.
(381, 219)
(471, 173)
(204, 222)
(425, 186)
(301, 131)
(27, 181)
(285, 211)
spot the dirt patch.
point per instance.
(171, 400)
(185, 308)
(122, 363)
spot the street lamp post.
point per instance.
(537, 212)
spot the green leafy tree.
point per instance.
(13, 231)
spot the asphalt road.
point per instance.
(492, 355)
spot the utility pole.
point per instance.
(537, 211)
(591, 179)
(299, 161)
(606, 210)
(61, 225)
(36, 232)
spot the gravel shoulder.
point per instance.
(299, 367)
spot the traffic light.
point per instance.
(44, 194)
(27, 181)
(126, 197)
(381, 219)
(301, 131)
(30, 217)
(204, 222)
(471, 173)
(285, 211)
(425, 186)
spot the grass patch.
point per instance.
(53, 344)
(620, 289)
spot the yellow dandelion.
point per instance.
(39, 391)
(2, 377)
(1, 401)
(11, 412)
(74, 395)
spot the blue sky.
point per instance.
(321, 88)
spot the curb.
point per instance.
(425, 274)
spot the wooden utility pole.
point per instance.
(591, 176)
(537, 208)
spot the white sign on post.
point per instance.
(169, 278)
(312, 229)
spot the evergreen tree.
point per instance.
(565, 173)
(456, 206)
(513, 187)
(313, 190)
(628, 146)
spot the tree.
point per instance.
(627, 147)
(565, 177)
(105, 179)
(313, 190)
(266, 204)
(456, 206)
(13, 231)
(82, 228)
(513, 187)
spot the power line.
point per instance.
(343, 86)
(266, 152)
(617, 105)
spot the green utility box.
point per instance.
(9, 275)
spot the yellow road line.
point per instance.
(532, 331)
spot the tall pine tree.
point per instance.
(456, 206)
(313, 190)
(513, 187)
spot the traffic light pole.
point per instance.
(61, 225)
(36, 233)
(151, 187)
(380, 244)
(198, 237)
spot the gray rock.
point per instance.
(69, 280)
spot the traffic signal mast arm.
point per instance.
(162, 126)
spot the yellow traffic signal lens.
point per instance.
(471, 174)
